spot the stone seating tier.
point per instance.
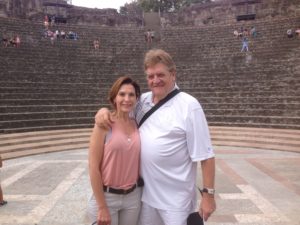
(47, 87)
(30, 143)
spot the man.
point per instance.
(173, 139)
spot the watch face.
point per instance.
(209, 190)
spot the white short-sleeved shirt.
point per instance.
(173, 139)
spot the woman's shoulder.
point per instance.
(133, 122)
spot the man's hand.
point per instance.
(103, 118)
(207, 206)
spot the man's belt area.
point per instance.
(139, 183)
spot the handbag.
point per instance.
(195, 219)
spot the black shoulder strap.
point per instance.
(159, 104)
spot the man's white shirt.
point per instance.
(173, 139)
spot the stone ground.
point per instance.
(254, 187)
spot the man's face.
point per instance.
(160, 81)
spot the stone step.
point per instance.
(47, 115)
(255, 125)
(246, 106)
(94, 91)
(101, 95)
(28, 143)
(19, 102)
(21, 129)
(255, 119)
(43, 143)
(252, 112)
(43, 122)
(202, 87)
(276, 139)
(34, 113)
(11, 155)
(185, 79)
(215, 115)
(47, 108)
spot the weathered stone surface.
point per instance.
(217, 12)
(248, 183)
(36, 9)
(226, 11)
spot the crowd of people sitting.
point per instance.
(57, 34)
(245, 32)
(60, 34)
(14, 41)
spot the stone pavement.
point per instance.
(254, 187)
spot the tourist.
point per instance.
(245, 44)
(114, 161)
(173, 140)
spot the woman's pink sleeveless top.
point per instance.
(121, 159)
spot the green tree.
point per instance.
(131, 8)
(189, 2)
(149, 5)
(166, 5)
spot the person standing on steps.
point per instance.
(245, 44)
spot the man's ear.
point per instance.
(174, 76)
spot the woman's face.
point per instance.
(126, 98)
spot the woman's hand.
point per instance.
(103, 216)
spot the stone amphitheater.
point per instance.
(50, 94)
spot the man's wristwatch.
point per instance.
(210, 191)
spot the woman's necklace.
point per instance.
(127, 131)
(129, 136)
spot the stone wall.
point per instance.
(218, 12)
(35, 9)
(106, 17)
(226, 11)
(20, 8)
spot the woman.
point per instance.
(114, 158)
